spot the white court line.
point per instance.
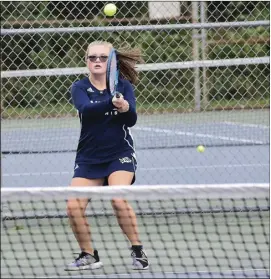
(206, 167)
(37, 173)
(167, 131)
(127, 275)
(42, 139)
(246, 125)
(173, 132)
(145, 169)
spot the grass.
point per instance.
(66, 109)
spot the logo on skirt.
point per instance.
(125, 160)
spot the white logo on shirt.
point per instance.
(112, 112)
(90, 90)
(76, 167)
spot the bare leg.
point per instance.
(76, 213)
(124, 212)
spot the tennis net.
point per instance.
(188, 231)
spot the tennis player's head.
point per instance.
(97, 55)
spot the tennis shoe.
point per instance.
(85, 261)
(140, 259)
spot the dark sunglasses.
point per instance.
(93, 58)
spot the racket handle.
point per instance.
(117, 95)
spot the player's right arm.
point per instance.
(83, 105)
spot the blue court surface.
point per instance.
(40, 153)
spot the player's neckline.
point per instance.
(95, 88)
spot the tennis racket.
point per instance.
(112, 73)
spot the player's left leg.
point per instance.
(124, 212)
(127, 219)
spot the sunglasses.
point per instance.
(93, 58)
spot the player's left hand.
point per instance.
(121, 104)
(118, 102)
(124, 107)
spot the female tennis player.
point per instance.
(105, 153)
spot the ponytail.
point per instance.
(128, 57)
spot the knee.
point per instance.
(74, 208)
(71, 208)
(120, 204)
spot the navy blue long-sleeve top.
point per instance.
(105, 133)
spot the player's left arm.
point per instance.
(128, 110)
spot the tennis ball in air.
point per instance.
(110, 9)
(200, 148)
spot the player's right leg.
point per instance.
(88, 258)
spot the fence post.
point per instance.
(195, 42)
(204, 53)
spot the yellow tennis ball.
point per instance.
(200, 148)
(110, 9)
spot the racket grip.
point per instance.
(118, 95)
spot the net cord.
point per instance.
(149, 192)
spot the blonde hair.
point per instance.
(127, 57)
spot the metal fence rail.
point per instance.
(137, 27)
(142, 67)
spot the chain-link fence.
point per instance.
(205, 81)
